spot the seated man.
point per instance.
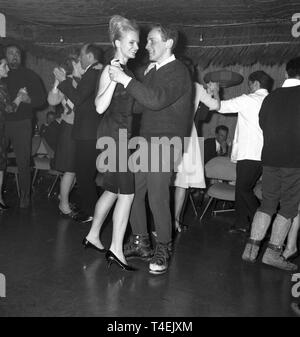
(218, 146)
(50, 130)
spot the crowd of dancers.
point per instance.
(100, 101)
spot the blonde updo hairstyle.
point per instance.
(119, 25)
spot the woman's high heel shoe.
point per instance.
(180, 226)
(111, 257)
(87, 244)
(71, 215)
(3, 207)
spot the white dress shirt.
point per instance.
(248, 137)
(290, 82)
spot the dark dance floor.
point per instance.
(48, 273)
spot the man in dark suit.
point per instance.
(214, 147)
(18, 124)
(86, 122)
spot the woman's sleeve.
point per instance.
(5, 104)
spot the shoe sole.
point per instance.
(138, 257)
(249, 260)
(83, 221)
(156, 272)
(281, 267)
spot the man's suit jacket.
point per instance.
(210, 149)
(86, 118)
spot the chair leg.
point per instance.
(73, 185)
(223, 211)
(206, 207)
(193, 203)
(17, 183)
(53, 185)
(34, 177)
(214, 206)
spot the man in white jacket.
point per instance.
(247, 145)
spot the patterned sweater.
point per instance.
(5, 103)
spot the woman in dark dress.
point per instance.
(65, 151)
(116, 105)
(6, 106)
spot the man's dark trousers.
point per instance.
(246, 203)
(85, 166)
(156, 182)
(19, 134)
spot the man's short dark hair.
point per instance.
(95, 50)
(221, 127)
(293, 67)
(67, 64)
(265, 81)
(14, 45)
(167, 32)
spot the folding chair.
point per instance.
(224, 171)
(42, 161)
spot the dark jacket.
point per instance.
(165, 101)
(20, 78)
(86, 118)
(118, 115)
(210, 149)
(279, 119)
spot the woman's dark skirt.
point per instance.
(116, 181)
(65, 152)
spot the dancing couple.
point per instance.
(164, 98)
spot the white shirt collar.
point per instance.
(291, 82)
(155, 64)
(262, 90)
(168, 60)
(218, 146)
(150, 66)
(87, 68)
